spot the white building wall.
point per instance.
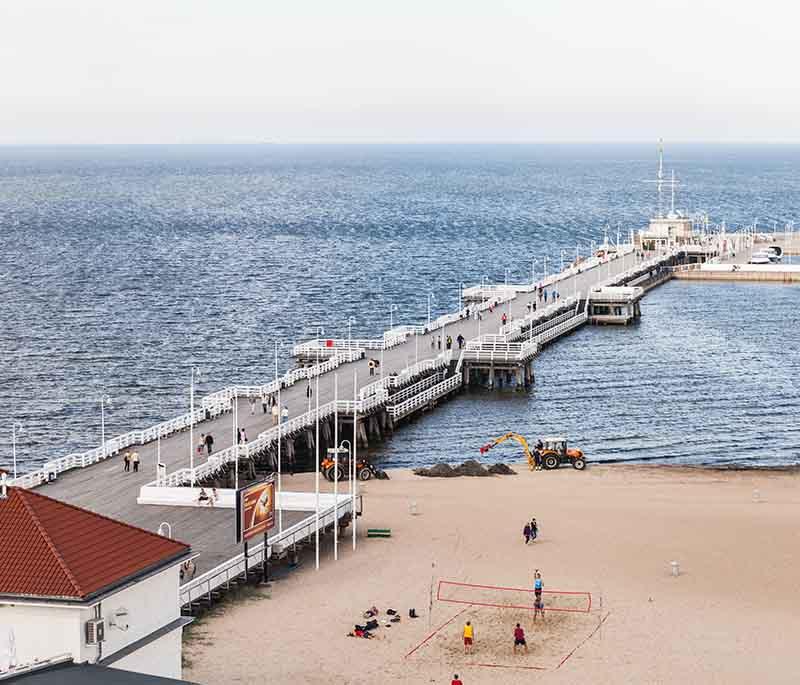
(40, 632)
(161, 657)
(151, 604)
(45, 630)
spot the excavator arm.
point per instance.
(511, 436)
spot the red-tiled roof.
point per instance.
(52, 549)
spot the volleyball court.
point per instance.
(494, 611)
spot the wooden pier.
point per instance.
(381, 382)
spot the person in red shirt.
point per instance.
(455, 680)
(519, 639)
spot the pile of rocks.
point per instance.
(468, 468)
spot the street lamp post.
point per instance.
(431, 297)
(195, 375)
(546, 259)
(533, 270)
(350, 321)
(16, 427)
(105, 401)
(460, 296)
(392, 309)
(562, 262)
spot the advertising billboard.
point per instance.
(255, 509)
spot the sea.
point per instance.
(123, 266)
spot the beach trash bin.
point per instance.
(412, 507)
(756, 495)
(676, 569)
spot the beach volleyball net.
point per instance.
(512, 597)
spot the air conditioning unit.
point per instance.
(95, 631)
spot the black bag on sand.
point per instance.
(412, 613)
(395, 619)
(391, 612)
(371, 625)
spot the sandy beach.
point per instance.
(610, 533)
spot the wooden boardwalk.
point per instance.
(107, 489)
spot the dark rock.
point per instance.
(471, 468)
(502, 470)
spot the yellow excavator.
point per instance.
(551, 452)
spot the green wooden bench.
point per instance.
(379, 532)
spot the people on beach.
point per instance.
(534, 529)
(135, 461)
(456, 680)
(209, 443)
(469, 637)
(538, 608)
(127, 461)
(526, 533)
(538, 585)
(519, 639)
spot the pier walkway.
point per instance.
(104, 486)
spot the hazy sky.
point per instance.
(124, 71)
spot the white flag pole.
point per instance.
(353, 456)
(316, 477)
(336, 467)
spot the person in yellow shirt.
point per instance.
(469, 637)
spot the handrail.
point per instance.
(426, 396)
(223, 573)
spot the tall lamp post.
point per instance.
(350, 321)
(431, 297)
(105, 401)
(16, 428)
(196, 375)
(392, 309)
(533, 270)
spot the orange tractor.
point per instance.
(364, 469)
(549, 453)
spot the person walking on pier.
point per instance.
(449, 343)
(504, 319)
(433, 342)
(275, 412)
(127, 460)
(460, 341)
(545, 297)
(252, 406)
(135, 461)
(439, 342)
(284, 414)
(371, 367)
(209, 443)
(264, 404)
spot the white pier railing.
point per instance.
(425, 397)
(222, 575)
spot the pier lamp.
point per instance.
(105, 401)
(562, 261)
(195, 375)
(16, 429)
(546, 258)
(350, 321)
(461, 296)
(392, 309)
(351, 459)
(431, 297)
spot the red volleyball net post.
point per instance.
(512, 597)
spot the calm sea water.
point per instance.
(122, 266)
